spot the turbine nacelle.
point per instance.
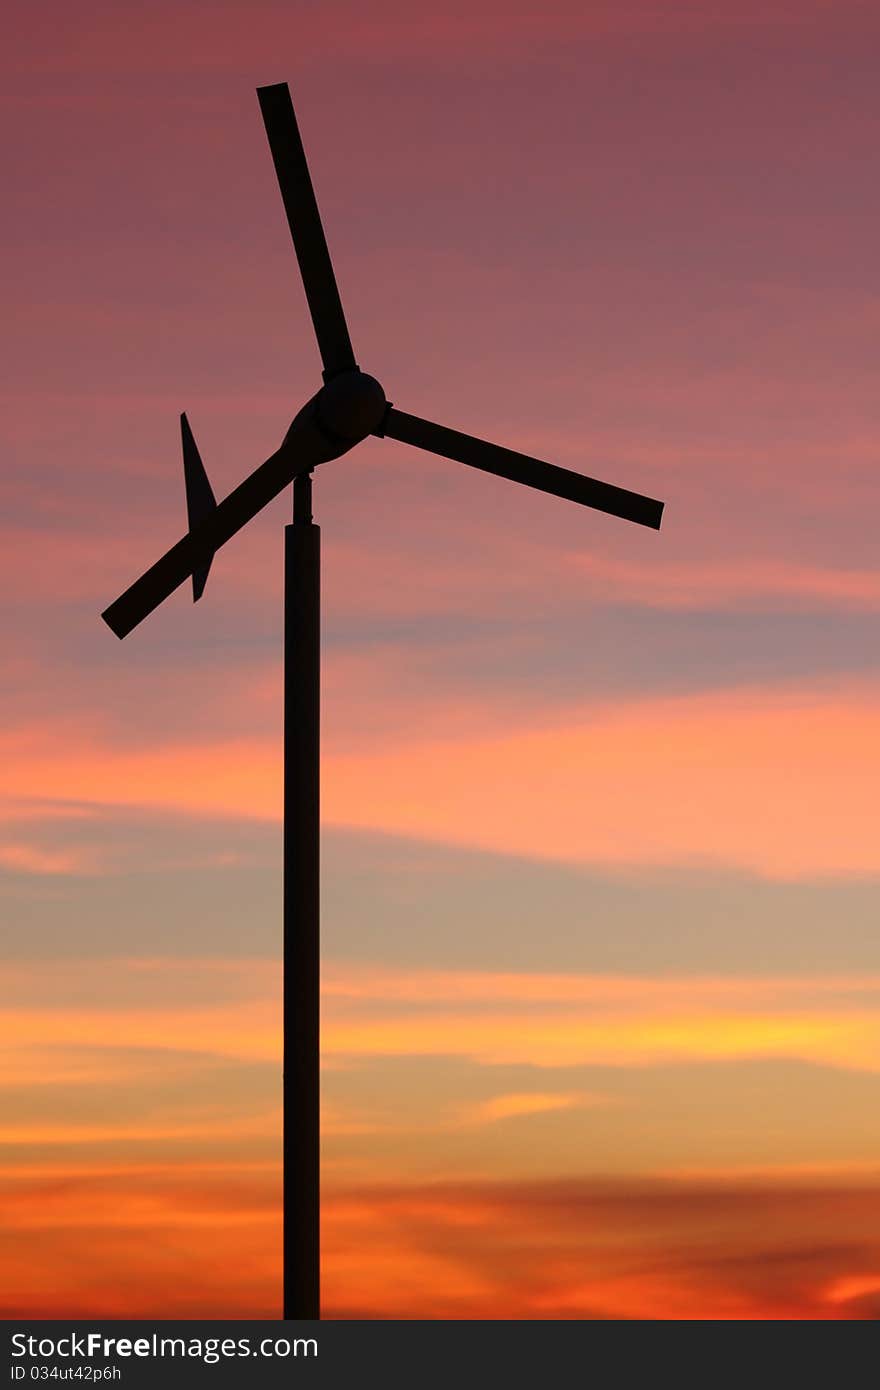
(350, 406)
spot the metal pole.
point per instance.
(301, 1087)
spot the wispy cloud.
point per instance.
(593, 1249)
(779, 781)
(498, 1020)
(755, 583)
(392, 32)
(603, 1250)
(76, 1240)
(492, 1019)
(529, 1103)
(776, 780)
(32, 859)
(87, 1167)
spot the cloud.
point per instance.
(250, 1031)
(853, 1287)
(158, 1111)
(36, 1135)
(168, 39)
(592, 1249)
(559, 1040)
(457, 987)
(129, 1240)
(755, 583)
(230, 1009)
(32, 859)
(779, 781)
(528, 1103)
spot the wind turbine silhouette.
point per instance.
(349, 406)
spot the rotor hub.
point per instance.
(350, 406)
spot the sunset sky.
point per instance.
(601, 875)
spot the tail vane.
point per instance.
(200, 499)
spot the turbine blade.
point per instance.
(200, 499)
(520, 468)
(304, 221)
(305, 446)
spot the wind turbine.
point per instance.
(349, 406)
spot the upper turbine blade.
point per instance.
(520, 468)
(200, 499)
(304, 220)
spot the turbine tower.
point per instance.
(348, 408)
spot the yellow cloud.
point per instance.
(532, 1019)
(566, 1038)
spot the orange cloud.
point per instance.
(268, 1125)
(596, 1020)
(73, 1018)
(123, 1241)
(852, 1287)
(493, 1019)
(420, 986)
(781, 782)
(778, 781)
(527, 1103)
(586, 1249)
(795, 1241)
(32, 859)
(601, 1250)
(246, 1030)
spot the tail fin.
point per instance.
(200, 499)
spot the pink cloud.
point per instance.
(170, 39)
